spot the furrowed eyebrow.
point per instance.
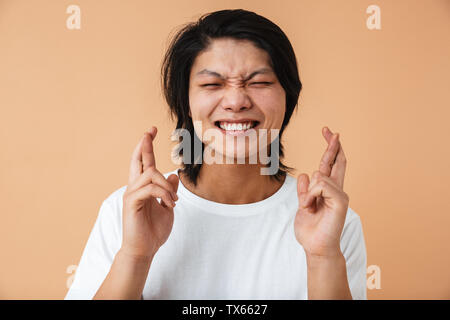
(216, 74)
(260, 71)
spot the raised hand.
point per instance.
(323, 203)
(146, 222)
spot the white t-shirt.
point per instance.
(220, 251)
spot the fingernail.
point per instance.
(174, 196)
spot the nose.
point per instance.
(236, 99)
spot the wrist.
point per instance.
(123, 255)
(327, 277)
(330, 258)
(126, 278)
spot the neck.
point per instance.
(232, 183)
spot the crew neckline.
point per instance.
(236, 210)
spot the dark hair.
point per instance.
(195, 37)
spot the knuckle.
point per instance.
(130, 198)
(126, 195)
(346, 196)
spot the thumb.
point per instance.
(302, 188)
(174, 181)
(302, 184)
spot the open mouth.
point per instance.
(235, 127)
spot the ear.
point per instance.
(190, 115)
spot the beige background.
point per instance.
(75, 102)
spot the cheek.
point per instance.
(272, 105)
(202, 105)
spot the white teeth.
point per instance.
(236, 126)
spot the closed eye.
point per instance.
(210, 84)
(218, 84)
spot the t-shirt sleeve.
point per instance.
(98, 254)
(354, 250)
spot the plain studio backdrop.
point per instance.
(74, 103)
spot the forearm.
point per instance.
(126, 278)
(327, 278)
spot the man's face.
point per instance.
(230, 81)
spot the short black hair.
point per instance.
(194, 37)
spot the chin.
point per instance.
(240, 155)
